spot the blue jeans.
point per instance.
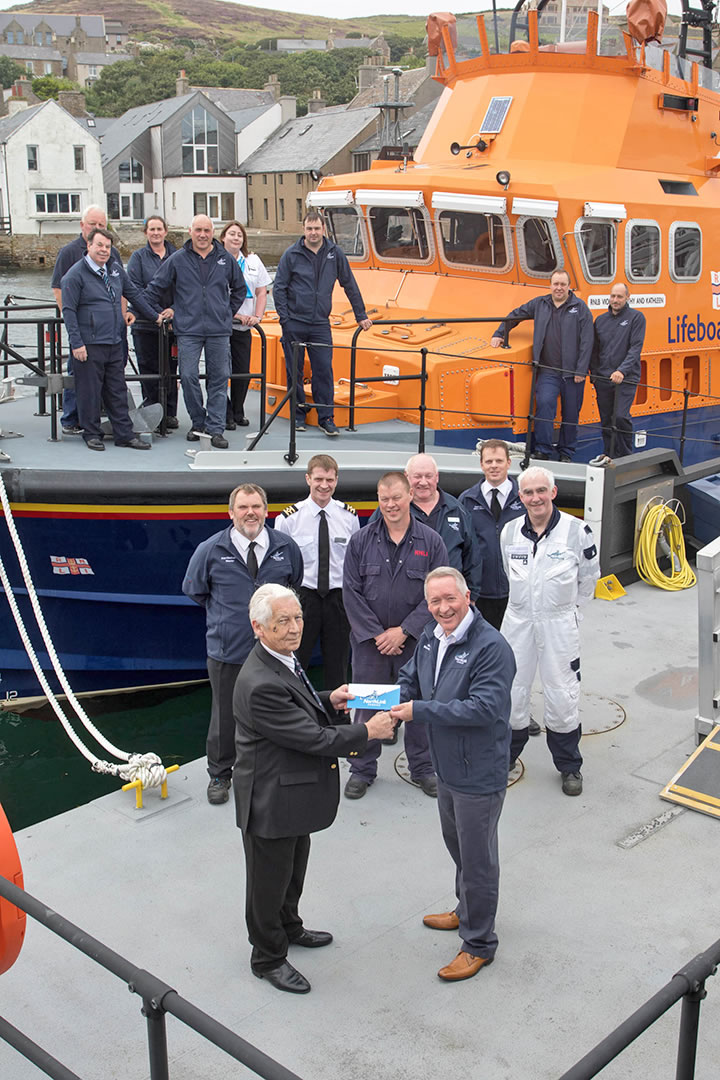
(549, 386)
(319, 351)
(217, 373)
(69, 416)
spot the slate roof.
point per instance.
(100, 58)
(30, 52)
(10, 124)
(243, 117)
(410, 82)
(233, 99)
(135, 121)
(309, 141)
(414, 125)
(93, 25)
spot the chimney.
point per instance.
(273, 85)
(22, 87)
(72, 101)
(288, 108)
(16, 105)
(182, 84)
(316, 103)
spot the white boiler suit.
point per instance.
(549, 579)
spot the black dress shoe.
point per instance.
(242, 421)
(230, 425)
(135, 444)
(428, 784)
(220, 442)
(172, 423)
(95, 444)
(286, 978)
(312, 939)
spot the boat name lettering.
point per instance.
(691, 328)
(636, 300)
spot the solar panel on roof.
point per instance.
(494, 119)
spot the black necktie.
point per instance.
(306, 682)
(106, 283)
(323, 581)
(495, 508)
(252, 563)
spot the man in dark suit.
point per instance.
(285, 780)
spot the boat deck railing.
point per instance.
(158, 999)
(43, 324)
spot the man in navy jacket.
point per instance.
(92, 295)
(302, 292)
(207, 288)
(615, 368)
(562, 344)
(457, 688)
(222, 575)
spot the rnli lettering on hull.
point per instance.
(637, 300)
(691, 328)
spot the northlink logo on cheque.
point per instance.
(691, 328)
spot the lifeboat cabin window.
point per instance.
(344, 226)
(642, 251)
(399, 234)
(597, 245)
(538, 246)
(477, 240)
(685, 251)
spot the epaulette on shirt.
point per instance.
(289, 510)
(350, 509)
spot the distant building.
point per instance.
(255, 113)
(85, 68)
(50, 171)
(44, 43)
(290, 162)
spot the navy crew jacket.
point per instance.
(618, 344)
(577, 331)
(304, 283)
(494, 583)
(204, 297)
(91, 316)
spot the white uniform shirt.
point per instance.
(256, 277)
(242, 544)
(503, 491)
(302, 525)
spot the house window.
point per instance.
(57, 202)
(157, 201)
(251, 208)
(200, 142)
(32, 158)
(39, 38)
(249, 181)
(280, 179)
(282, 209)
(266, 215)
(79, 158)
(227, 205)
(48, 37)
(130, 171)
(20, 37)
(264, 178)
(48, 68)
(125, 207)
(113, 206)
(10, 37)
(173, 201)
(92, 71)
(218, 206)
(29, 67)
(361, 162)
(298, 178)
(299, 209)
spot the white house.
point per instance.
(50, 170)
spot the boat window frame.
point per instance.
(671, 252)
(630, 224)
(556, 242)
(476, 268)
(327, 212)
(594, 280)
(398, 260)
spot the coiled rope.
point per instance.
(147, 768)
(662, 528)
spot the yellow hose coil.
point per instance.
(661, 526)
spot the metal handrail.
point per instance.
(158, 998)
(687, 985)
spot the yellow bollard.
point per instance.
(608, 588)
(137, 785)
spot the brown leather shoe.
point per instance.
(464, 966)
(448, 920)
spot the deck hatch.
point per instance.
(495, 115)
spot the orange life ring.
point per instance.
(12, 919)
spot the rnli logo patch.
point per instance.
(462, 658)
(427, 647)
(454, 523)
(65, 564)
(715, 286)
(278, 557)
(417, 551)
(557, 555)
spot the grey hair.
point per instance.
(446, 571)
(92, 209)
(416, 457)
(537, 472)
(261, 601)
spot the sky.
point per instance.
(357, 8)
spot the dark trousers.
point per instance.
(146, 353)
(275, 876)
(549, 386)
(605, 392)
(102, 378)
(240, 348)
(69, 416)
(220, 747)
(319, 350)
(563, 745)
(370, 666)
(325, 619)
(492, 609)
(469, 826)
